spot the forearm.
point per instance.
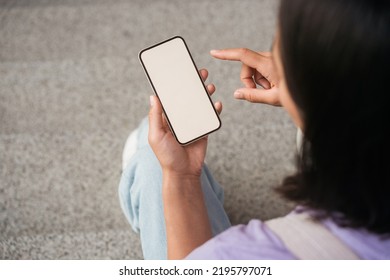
(186, 219)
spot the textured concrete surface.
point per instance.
(71, 89)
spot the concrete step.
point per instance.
(108, 244)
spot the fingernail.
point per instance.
(214, 51)
(238, 94)
(151, 101)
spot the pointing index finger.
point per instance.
(244, 55)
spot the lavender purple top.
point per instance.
(256, 241)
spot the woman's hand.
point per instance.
(180, 160)
(257, 68)
(183, 199)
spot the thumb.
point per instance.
(257, 95)
(156, 126)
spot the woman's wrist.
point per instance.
(184, 177)
(186, 187)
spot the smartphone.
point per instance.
(177, 83)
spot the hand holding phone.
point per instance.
(186, 104)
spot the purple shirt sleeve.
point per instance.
(254, 241)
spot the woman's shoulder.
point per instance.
(365, 244)
(251, 241)
(256, 240)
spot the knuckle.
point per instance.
(253, 98)
(275, 100)
(249, 97)
(244, 51)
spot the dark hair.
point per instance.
(336, 58)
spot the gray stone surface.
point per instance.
(71, 89)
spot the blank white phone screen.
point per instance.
(175, 80)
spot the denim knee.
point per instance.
(140, 186)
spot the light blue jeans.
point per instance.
(140, 195)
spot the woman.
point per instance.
(328, 70)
